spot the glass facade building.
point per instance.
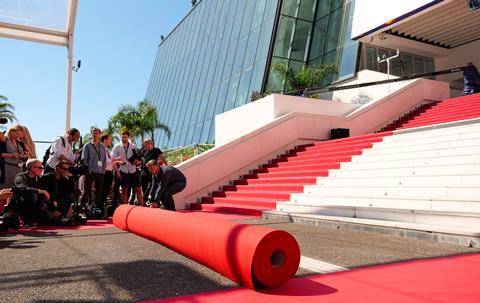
(209, 64)
(222, 51)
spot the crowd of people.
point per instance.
(69, 185)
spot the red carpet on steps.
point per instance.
(449, 110)
(452, 279)
(264, 187)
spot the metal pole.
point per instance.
(69, 82)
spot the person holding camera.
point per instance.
(27, 195)
(95, 157)
(14, 155)
(149, 152)
(61, 187)
(166, 181)
(127, 171)
(61, 149)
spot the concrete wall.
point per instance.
(241, 121)
(367, 94)
(208, 171)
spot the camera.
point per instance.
(78, 169)
(134, 157)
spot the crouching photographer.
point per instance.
(60, 185)
(28, 197)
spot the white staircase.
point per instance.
(427, 177)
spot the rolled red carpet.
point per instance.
(254, 256)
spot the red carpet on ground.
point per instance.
(451, 279)
(91, 224)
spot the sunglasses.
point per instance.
(39, 167)
(63, 168)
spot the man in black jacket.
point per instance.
(61, 187)
(27, 196)
(166, 181)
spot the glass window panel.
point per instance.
(264, 41)
(337, 3)
(330, 57)
(257, 76)
(241, 4)
(284, 37)
(211, 136)
(334, 29)
(371, 58)
(243, 87)
(259, 12)
(296, 66)
(395, 67)
(232, 92)
(307, 9)
(331, 45)
(222, 96)
(205, 131)
(219, 68)
(212, 102)
(237, 25)
(418, 65)
(196, 134)
(271, 9)
(251, 48)
(429, 65)
(348, 63)
(407, 64)
(290, 8)
(275, 83)
(242, 45)
(229, 62)
(301, 40)
(247, 19)
(323, 8)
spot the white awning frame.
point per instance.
(52, 37)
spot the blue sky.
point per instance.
(117, 42)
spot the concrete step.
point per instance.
(430, 153)
(429, 140)
(372, 163)
(440, 180)
(402, 201)
(428, 217)
(430, 170)
(414, 147)
(405, 136)
(422, 192)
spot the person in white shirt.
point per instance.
(127, 172)
(61, 149)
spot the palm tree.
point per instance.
(149, 121)
(307, 77)
(139, 120)
(6, 109)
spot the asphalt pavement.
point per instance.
(109, 265)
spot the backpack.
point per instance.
(49, 153)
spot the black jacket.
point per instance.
(57, 188)
(23, 183)
(166, 176)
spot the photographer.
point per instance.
(95, 157)
(61, 149)
(149, 152)
(61, 187)
(127, 172)
(27, 196)
(166, 181)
